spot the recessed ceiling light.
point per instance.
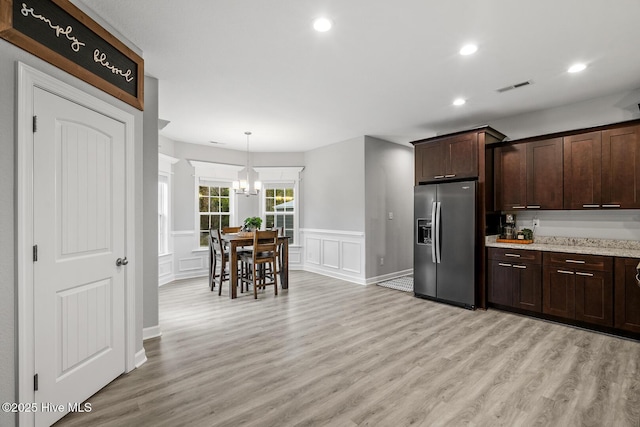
(322, 24)
(459, 101)
(468, 49)
(576, 68)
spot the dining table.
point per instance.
(238, 240)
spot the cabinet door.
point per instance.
(527, 292)
(621, 168)
(461, 156)
(544, 174)
(510, 165)
(500, 278)
(627, 295)
(583, 171)
(594, 297)
(558, 290)
(429, 162)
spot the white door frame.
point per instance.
(28, 79)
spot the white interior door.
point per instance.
(79, 230)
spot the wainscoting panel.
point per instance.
(295, 258)
(189, 260)
(335, 253)
(312, 250)
(165, 269)
(331, 253)
(351, 260)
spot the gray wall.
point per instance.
(607, 109)
(8, 277)
(388, 188)
(150, 203)
(333, 187)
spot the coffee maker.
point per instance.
(509, 226)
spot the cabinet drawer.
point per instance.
(578, 261)
(515, 255)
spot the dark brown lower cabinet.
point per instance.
(594, 297)
(627, 295)
(574, 292)
(558, 288)
(512, 281)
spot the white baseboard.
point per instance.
(151, 332)
(141, 358)
(334, 274)
(384, 277)
(165, 279)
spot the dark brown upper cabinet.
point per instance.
(583, 171)
(454, 156)
(621, 168)
(602, 169)
(529, 175)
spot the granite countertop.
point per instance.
(575, 245)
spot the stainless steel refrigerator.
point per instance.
(444, 255)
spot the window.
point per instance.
(214, 208)
(279, 208)
(163, 214)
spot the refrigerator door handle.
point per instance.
(437, 232)
(434, 232)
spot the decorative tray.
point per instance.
(245, 234)
(517, 241)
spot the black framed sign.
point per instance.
(61, 34)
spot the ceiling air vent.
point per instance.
(515, 86)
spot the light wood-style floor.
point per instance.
(327, 352)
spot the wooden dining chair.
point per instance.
(226, 230)
(219, 255)
(263, 254)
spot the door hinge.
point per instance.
(35, 124)
(35, 253)
(35, 382)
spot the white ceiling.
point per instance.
(386, 69)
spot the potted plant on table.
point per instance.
(252, 223)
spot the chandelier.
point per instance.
(243, 184)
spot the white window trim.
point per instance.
(168, 248)
(165, 168)
(215, 172)
(282, 176)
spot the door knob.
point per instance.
(122, 261)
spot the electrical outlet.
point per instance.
(381, 261)
(390, 215)
(536, 222)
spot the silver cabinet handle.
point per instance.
(610, 206)
(590, 206)
(533, 207)
(584, 274)
(438, 177)
(518, 207)
(520, 266)
(450, 176)
(573, 261)
(122, 261)
(513, 255)
(565, 272)
(504, 265)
